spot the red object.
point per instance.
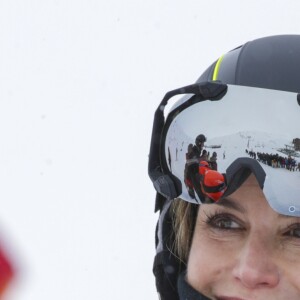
(203, 167)
(213, 184)
(6, 272)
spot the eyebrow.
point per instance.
(228, 203)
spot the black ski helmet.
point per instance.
(271, 63)
(200, 140)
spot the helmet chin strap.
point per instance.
(166, 265)
(186, 292)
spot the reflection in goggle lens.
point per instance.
(213, 146)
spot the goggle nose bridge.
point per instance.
(240, 170)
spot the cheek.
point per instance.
(290, 267)
(294, 279)
(209, 261)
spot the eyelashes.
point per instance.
(226, 222)
(223, 221)
(293, 231)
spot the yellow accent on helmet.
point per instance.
(217, 68)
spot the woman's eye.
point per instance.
(294, 232)
(223, 222)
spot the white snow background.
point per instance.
(79, 84)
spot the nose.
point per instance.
(256, 266)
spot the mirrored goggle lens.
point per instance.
(249, 131)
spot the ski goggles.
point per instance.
(216, 136)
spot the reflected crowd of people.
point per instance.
(275, 160)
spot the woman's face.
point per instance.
(242, 249)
